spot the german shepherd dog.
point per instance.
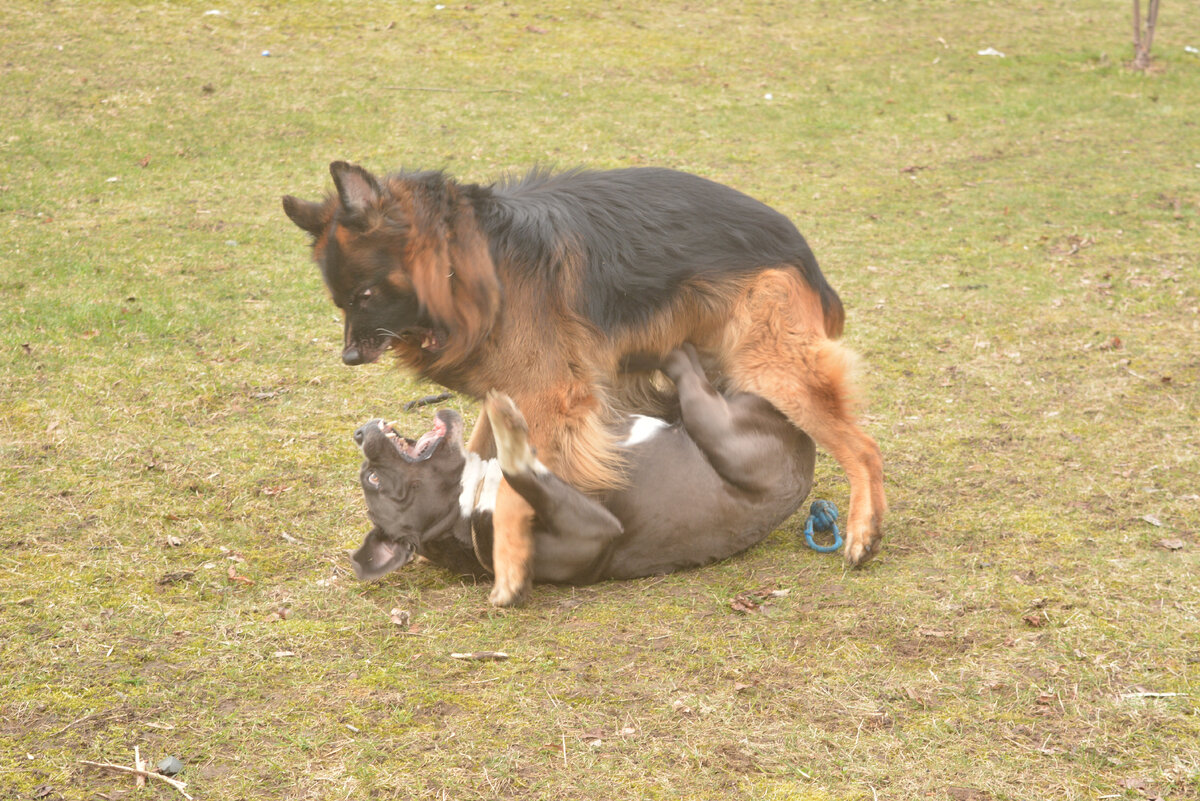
(548, 287)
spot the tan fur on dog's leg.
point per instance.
(778, 349)
(512, 548)
(481, 442)
(512, 528)
(816, 398)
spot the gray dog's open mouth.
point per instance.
(415, 450)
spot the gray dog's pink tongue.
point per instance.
(439, 431)
(414, 448)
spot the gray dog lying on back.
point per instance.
(708, 486)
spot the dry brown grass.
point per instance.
(1015, 241)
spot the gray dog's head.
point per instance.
(411, 487)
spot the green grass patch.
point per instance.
(1015, 240)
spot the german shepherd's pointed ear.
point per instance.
(307, 215)
(357, 189)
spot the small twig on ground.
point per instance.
(427, 400)
(482, 656)
(144, 774)
(454, 91)
(91, 714)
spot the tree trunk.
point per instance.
(1142, 41)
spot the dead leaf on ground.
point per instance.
(1142, 786)
(752, 600)
(745, 604)
(593, 737)
(1172, 544)
(1035, 621)
(1072, 245)
(916, 696)
(234, 577)
(967, 794)
(938, 634)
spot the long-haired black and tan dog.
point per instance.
(542, 287)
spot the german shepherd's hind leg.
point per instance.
(781, 352)
(560, 508)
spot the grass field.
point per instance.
(1015, 239)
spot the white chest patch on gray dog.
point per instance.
(643, 430)
(480, 483)
(492, 476)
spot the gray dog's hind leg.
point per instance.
(732, 431)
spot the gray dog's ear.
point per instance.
(378, 556)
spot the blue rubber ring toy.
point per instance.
(822, 516)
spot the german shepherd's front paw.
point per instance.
(504, 595)
(511, 433)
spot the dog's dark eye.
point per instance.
(373, 478)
